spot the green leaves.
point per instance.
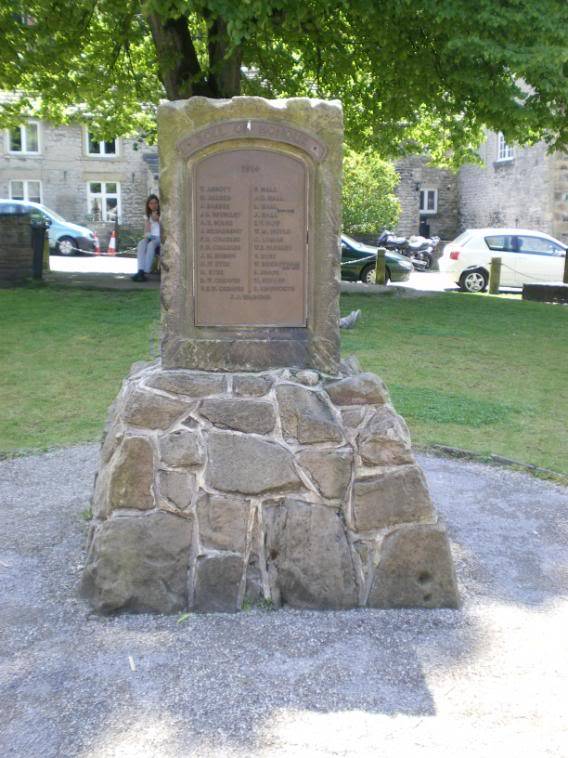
(413, 75)
(369, 202)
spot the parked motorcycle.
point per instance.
(420, 250)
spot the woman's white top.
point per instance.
(155, 229)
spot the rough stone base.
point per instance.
(219, 491)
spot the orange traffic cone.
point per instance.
(112, 244)
(97, 244)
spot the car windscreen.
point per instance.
(354, 244)
(53, 215)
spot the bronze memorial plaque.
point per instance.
(250, 245)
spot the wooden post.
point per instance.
(495, 276)
(46, 252)
(380, 271)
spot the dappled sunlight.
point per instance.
(364, 734)
(129, 734)
(288, 683)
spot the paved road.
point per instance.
(95, 264)
(488, 680)
(431, 281)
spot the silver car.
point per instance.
(65, 238)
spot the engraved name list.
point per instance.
(250, 239)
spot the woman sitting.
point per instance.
(148, 247)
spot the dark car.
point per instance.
(358, 263)
(65, 238)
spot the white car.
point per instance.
(526, 256)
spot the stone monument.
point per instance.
(249, 465)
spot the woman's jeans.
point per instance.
(146, 252)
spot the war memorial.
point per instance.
(250, 465)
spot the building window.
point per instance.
(504, 151)
(25, 189)
(103, 201)
(428, 201)
(100, 148)
(24, 139)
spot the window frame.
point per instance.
(505, 151)
(24, 139)
(26, 198)
(102, 143)
(424, 194)
(103, 195)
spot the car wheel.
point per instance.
(368, 274)
(474, 281)
(66, 246)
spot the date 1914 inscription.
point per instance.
(250, 245)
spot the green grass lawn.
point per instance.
(482, 373)
(486, 374)
(63, 355)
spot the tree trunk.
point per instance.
(224, 64)
(179, 67)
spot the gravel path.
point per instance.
(489, 679)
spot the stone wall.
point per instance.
(16, 253)
(415, 175)
(408, 170)
(64, 168)
(514, 192)
(222, 490)
(559, 169)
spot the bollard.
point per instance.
(380, 270)
(565, 277)
(495, 276)
(38, 229)
(46, 252)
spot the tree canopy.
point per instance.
(413, 75)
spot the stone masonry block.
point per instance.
(308, 555)
(242, 415)
(395, 497)
(139, 563)
(217, 583)
(306, 415)
(415, 570)
(359, 389)
(222, 522)
(247, 465)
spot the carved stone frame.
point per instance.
(222, 125)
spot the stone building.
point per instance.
(514, 186)
(101, 183)
(428, 199)
(85, 180)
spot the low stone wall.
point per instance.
(222, 490)
(546, 292)
(16, 252)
